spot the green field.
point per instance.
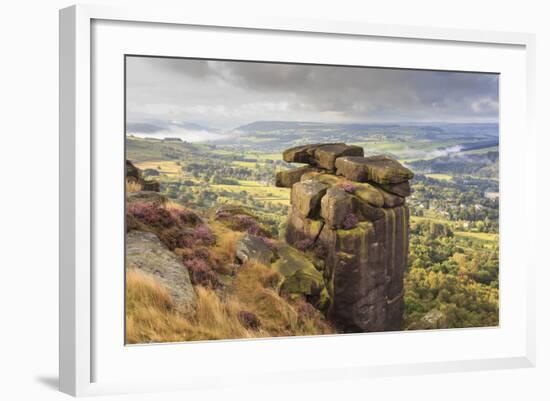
(454, 241)
(244, 164)
(268, 156)
(415, 219)
(481, 151)
(164, 167)
(487, 237)
(438, 176)
(258, 191)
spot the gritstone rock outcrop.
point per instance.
(351, 211)
(133, 174)
(145, 252)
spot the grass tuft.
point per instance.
(251, 308)
(133, 186)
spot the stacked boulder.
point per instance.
(133, 174)
(351, 210)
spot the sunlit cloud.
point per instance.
(220, 95)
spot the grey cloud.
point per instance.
(194, 68)
(228, 94)
(144, 127)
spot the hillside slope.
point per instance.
(236, 292)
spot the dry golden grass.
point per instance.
(256, 289)
(226, 243)
(170, 204)
(166, 167)
(132, 186)
(150, 313)
(276, 315)
(151, 316)
(143, 288)
(219, 320)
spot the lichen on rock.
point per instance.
(326, 155)
(251, 247)
(287, 178)
(379, 169)
(134, 175)
(150, 197)
(300, 277)
(321, 155)
(306, 197)
(369, 193)
(145, 252)
(353, 208)
(402, 189)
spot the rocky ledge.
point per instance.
(133, 174)
(145, 252)
(351, 211)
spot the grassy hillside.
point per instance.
(474, 164)
(232, 301)
(453, 260)
(403, 141)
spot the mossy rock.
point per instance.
(369, 193)
(353, 168)
(287, 178)
(300, 275)
(251, 247)
(132, 172)
(290, 260)
(325, 300)
(151, 197)
(150, 185)
(434, 319)
(327, 179)
(385, 170)
(391, 200)
(305, 282)
(301, 154)
(306, 197)
(326, 155)
(366, 211)
(311, 175)
(364, 191)
(402, 189)
(144, 251)
(379, 169)
(352, 240)
(336, 205)
(234, 210)
(301, 228)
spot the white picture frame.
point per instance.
(82, 344)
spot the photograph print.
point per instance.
(278, 199)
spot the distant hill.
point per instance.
(142, 149)
(154, 126)
(186, 131)
(450, 128)
(481, 165)
(405, 141)
(300, 125)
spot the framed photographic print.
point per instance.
(272, 199)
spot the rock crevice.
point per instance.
(353, 208)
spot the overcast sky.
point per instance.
(167, 95)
